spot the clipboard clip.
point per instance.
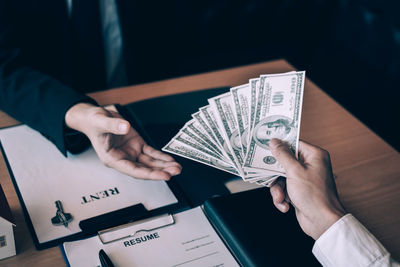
(121, 232)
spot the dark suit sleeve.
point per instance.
(35, 98)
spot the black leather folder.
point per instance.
(257, 233)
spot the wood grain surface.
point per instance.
(367, 169)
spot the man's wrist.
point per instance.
(77, 116)
(327, 219)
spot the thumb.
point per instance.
(113, 125)
(283, 154)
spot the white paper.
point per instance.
(191, 241)
(44, 175)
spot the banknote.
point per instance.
(260, 175)
(277, 115)
(254, 89)
(241, 96)
(199, 117)
(189, 141)
(255, 96)
(233, 132)
(211, 120)
(188, 152)
(194, 130)
(223, 108)
(208, 117)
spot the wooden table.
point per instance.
(367, 169)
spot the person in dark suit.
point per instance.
(52, 52)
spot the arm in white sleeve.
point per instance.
(348, 243)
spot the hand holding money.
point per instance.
(233, 132)
(309, 186)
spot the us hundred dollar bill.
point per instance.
(210, 116)
(277, 115)
(254, 89)
(199, 117)
(191, 128)
(241, 99)
(183, 150)
(223, 108)
(189, 141)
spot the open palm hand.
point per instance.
(119, 146)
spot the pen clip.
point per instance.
(139, 226)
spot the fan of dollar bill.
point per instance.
(232, 133)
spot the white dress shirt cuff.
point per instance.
(348, 243)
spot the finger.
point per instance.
(284, 155)
(171, 167)
(306, 148)
(173, 170)
(157, 154)
(279, 195)
(309, 153)
(283, 207)
(111, 108)
(136, 170)
(154, 162)
(112, 125)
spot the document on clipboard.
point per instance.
(44, 179)
(183, 239)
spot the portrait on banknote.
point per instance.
(276, 126)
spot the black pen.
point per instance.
(104, 259)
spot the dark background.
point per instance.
(350, 49)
